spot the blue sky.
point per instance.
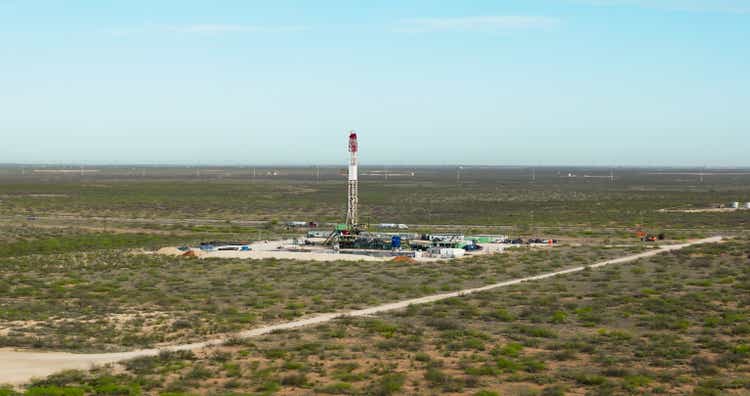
(538, 82)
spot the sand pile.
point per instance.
(170, 251)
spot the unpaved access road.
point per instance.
(18, 367)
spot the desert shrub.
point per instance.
(506, 365)
(274, 353)
(220, 356)
(422, 357)
(52, 390)
(297, 380)
(555, 390)
(338, 388)
(381, 327)
(585, 378)
(443, 324)
(181, 324)
(535, 331)
(486, 370)
(199, 373)
(472, 343)
(564, 354)
(703, 390)
(588, 316)
(8, 391)
(512, 349)
(166, 355)
(665, 348)
(590, 379)
(616, 372)
(436, 377)
(387, 384)
(636, 381)
(238, 341)
(558, 317)
(532, 365)
(117, 389)
(502, 315)
(703, 366)
(150, 364)
(269, 387)
(232, 369)
(61, 379)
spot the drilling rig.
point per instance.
(345, 235)
(353, 188)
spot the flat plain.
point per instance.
(77, 276)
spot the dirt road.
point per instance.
(17, 367)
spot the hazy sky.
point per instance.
(601, 82)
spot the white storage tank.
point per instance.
(747, 205)
(734, 205)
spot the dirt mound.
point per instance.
(404, 260)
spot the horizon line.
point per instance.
(343, 165)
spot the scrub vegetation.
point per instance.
(482, 196)
(672, 324)
(72, 240)
(76, 274)
(115, 300)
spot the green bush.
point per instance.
(53, 390)
(388, 384)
